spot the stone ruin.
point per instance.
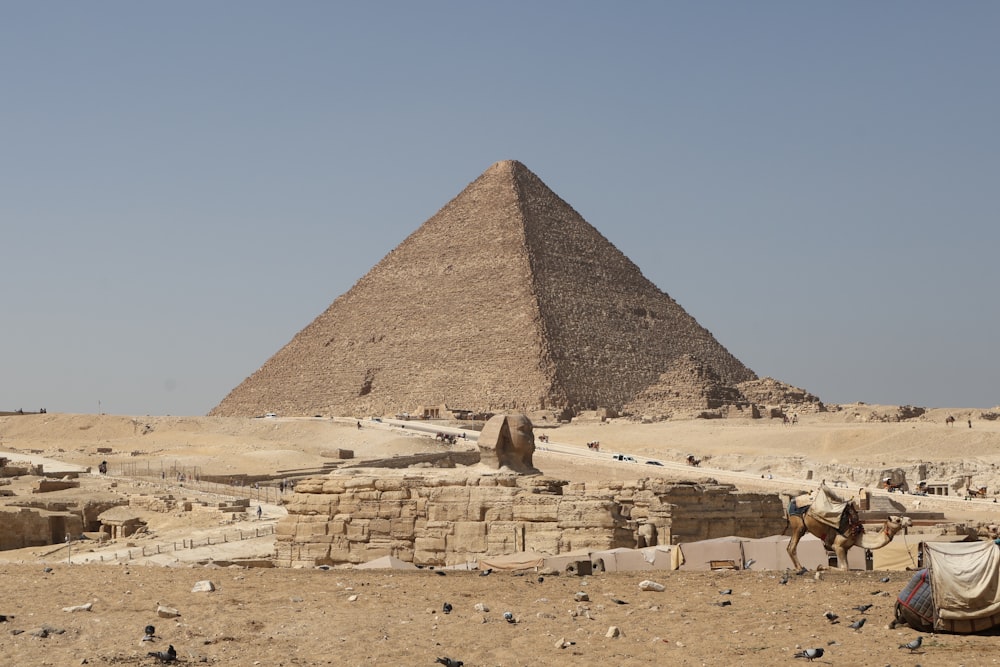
(450, 519)
(505, 506)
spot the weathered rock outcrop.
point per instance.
(445, 520)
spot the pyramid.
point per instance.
(687, 387)
(506, 299)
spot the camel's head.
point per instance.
(897, 523)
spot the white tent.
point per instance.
(386, 563)
(631, 560)
(718, 553)
(522, 560)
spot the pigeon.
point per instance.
(856, 625)
(810, 654)
(170, 655)
(150, 630)
(446, 607)
(4, 617)
(509, 617)
(913, 645)
(784, 578)
(541, 579)
(862, 607)
(728, 591)
(486, 573)
(448, 662)
(830, 616)
(884, 580)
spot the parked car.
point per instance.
(653, 463)
(624, 458)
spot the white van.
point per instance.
(624, 458)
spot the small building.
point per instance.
(120, 522)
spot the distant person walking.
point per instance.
(260, 511)
(970, 423)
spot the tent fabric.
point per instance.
(660, 556)
(903, 552)
(827, 507)
(620, 560)
(386, 563)
(965, 577)
(771, 553)
(699, 555)
(524, 560)
(560, 561)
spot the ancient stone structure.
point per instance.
(689, 387)
(508, 442)
(506, 299)
(770, 392)
(449, 519)
(32, 527)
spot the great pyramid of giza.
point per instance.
(505, 299)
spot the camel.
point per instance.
(801, 523)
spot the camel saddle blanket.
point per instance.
(965, 579)
(828, 508)
(918, 597)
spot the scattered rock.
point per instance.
(480, 607)
(581, 597)
(203, 586)
(80, 607)
(648, 585)
(167, 612)
(613, 632)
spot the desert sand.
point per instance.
(308, 617)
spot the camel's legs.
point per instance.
(841, 551)
(798, 530)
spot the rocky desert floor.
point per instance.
(259, 616)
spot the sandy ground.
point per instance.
(275, 618)
(305, 617)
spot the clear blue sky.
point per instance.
(186, 185)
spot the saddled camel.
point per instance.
(803, 523)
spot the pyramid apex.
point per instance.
(506, 167)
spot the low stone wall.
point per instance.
(446, 520)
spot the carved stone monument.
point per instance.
(508, 441)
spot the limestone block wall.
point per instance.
(447, 520)
(28, 527)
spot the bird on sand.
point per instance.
(784, 577)
(509, 617)
(913, 645)
(856, 625)
(170, 655)
(446, 607)
(830, 616)
(862, 607)
(150, 633)
(448, 662)
(810, 654)
(486, 573)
